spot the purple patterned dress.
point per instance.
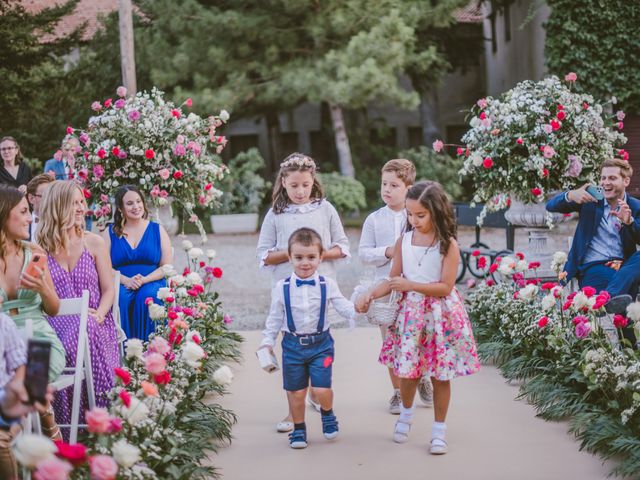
(102, 337)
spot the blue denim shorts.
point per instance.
(307, 358)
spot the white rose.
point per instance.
(223, 376)
(211, 254)
(194, 253)
(633, 311)
(134, 348)
(505, 268)
(192, 353)
(156, 312)
(193, 278)
(476, 160)
(136, 412)
(32, 449)
(168, 270)
(522, 266)
(548, 302)
(224, 115)
(182, 292)
(163, 293)
(529, 292)
(187, 245)
(177, 280)
(161, 201)
(580, 300)
(125, 454)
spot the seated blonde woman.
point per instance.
(78, 261)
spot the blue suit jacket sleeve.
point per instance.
(559, 204)
(634, 228)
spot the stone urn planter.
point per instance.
(234, 223)
(164, 216)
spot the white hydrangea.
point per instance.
(163, 293)
(134, 348)
(157, 312)
(528, 293)
(125, 454)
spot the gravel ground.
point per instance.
(246, 292)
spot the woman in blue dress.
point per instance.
(139, 248)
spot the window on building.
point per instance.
(289, 142)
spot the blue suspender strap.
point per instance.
(287, 305)
(323, 303)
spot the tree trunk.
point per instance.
(342, 141)
(275, 144)
(429, 116)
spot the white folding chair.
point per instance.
(115, 312)
(73, 376)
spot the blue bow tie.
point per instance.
(299, 282)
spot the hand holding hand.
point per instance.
(389, 251)
(400, 284)
(362, 303)
(623, 212)
(580, 195)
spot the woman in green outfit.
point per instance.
(23, 296)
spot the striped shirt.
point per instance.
(13, 352)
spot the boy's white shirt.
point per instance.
(381, 230)
(305, 308)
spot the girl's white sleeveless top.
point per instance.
(430, 259)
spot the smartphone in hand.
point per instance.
(596, 192)
(37, 375)
(38, 260)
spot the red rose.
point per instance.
(536, 191)
(149, 154)
(176, 113)
(534, 265)
(475, 253)
(585, 105)
(107, 102)
(69, 130)
(620, 321)
(86, 193)
(548, 285)
(483, 115)
(545, 173)
(482, 263)
(542, 322)
(555, 125)
(172, 315)
(169, 300)
(196, 339)
(123, 375)
(76, 454)
(519, 141)
(177, 174)
(490, 282)
(115, 151)
(460, 151)
(487, 162)
(125, 397)
(192, 292)
(624, 155)
(561, 115)
(493, 267)
(163, 378)
(589, 291)
(560, 106)
(102, 153)
(520, 256)
(217, 272)
(620, 125)
(567, 305)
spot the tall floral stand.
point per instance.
(535, 218)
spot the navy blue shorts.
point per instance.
(307, 358)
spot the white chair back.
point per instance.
(115, 311)
(73, 376)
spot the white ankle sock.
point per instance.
(439, 430)
(406, 414)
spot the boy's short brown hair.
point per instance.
(404, 169)
(307, 237)
(626, 170)
(35, 182)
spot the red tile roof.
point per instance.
(86, 11)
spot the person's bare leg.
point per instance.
(441, 399)
(408, 387)
(395, 381)
(296, 404)
(325, 397)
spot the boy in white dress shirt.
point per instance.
(298, 308)
(380, 232)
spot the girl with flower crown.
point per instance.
(298, 201)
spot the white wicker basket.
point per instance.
(383, 313)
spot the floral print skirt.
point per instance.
(431, 336)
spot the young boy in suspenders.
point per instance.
(298, 309)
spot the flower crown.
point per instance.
(299, 161)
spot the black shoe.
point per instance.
(618, 304)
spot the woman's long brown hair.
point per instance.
(296, 162)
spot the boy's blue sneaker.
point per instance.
(329, 426)
(298, 439)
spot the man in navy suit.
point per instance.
(603, 253)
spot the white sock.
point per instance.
(406, 414)
(439, 430)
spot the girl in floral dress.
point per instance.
(432, 333)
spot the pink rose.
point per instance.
(482, 103)
(555, 125)
(159, 345)
(98, 171)
(188, 102)
(155, 363)
(121, 91)
(179, 150)
(620, 115)
(98, 420)
(548, 151)
(620, 321)
(180, 139)
(164, 173)
(620, 125)
(119, 103)
(104, 198)
(164, 194)
(134, 115)
(438, 145)
(155, 191)
(96, 106)
(103, 467)
(53, 469)
(583, 329)
(107, 102)
(122, 154)
(194, 147)
(519, 141)
(84, 138)
(117, 173)
(571, 77)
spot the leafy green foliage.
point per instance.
(243, 187)
(599, 44)
(345, 193)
